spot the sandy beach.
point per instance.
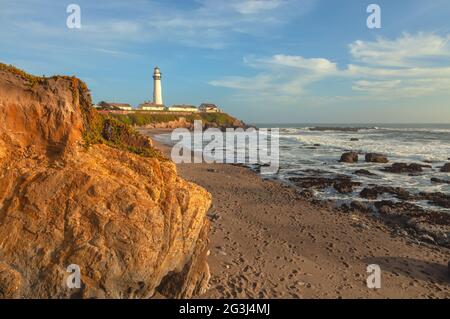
(269, 242)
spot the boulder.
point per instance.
(445, 168)
(343, 186)
(436, 198)
(439, 181)
(369, 193)
(360, 206)
(388, 207)
(350, 157)
(312, 182)
(399, 168)
(364, 172)
(376, 158)
(374, 192)
(79, 190)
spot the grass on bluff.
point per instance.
(103, 129)
(98, 128)
(32, 80)
(143, 118)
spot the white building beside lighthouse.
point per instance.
(157, 90)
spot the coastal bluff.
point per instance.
(166, 120)
(80, 189)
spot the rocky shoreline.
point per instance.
(270, 239)
(402, 212)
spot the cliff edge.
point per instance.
(78, 189)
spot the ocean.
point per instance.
(306, 151)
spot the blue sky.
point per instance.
(282, 61)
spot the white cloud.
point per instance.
(255, 6)
(406, 51)
(280, 75)
(214, 22)
(262, 82)
(205, 23)
(318, 65)
(409, 66)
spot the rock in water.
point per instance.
(343, 186)
(364, 172)
(399, 168)
(350, 157)
(130, 223)
(369, 193)
(376, 158)
(439, 181)
(445, 168)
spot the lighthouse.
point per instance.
(157, 91)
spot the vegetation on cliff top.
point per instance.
(109, 131)
(32, 80)
(143, 118)
(103, 129)
(98, 128)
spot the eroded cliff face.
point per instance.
(128, 221)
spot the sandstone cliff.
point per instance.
(74, 191)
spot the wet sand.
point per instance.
(269, 242)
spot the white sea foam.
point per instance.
(300, 152)
(305, 152)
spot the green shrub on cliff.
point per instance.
(140, 118)
(103, 129)
(32, 80)
(221, 119)
(110, 131)
(98, 128)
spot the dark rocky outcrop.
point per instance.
(364, 172)
(342, 184)
(427, 226)
(333, 128)
(399, 168)
(376, 158)
(437, 198)
(360, 206)
(445, 168)
(374, 192)
(439, 181)
(350, 157)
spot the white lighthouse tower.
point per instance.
(157, 91)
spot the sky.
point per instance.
(264, 61)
